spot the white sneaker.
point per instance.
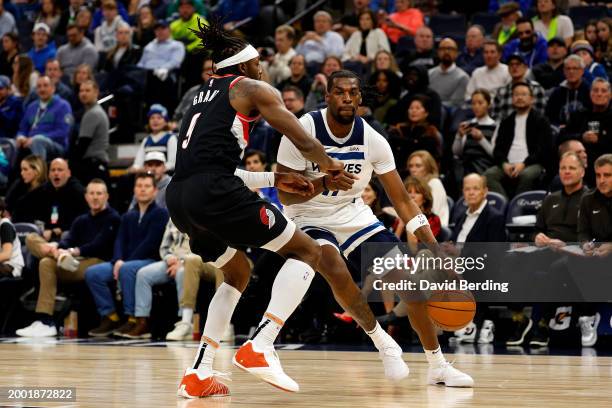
(487, 332)
(449, 376)
(265, 365)
(395, 367)
(37, 329)
(181, 331)
(588, 328)
(467, 334)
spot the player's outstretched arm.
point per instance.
(343, 181)
(407, 209)
(249, 94)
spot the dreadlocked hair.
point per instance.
(217, 42)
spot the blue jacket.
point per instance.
(94, 235)
(595, 70)
(55, 121)
(538, 55)
(40, 57)
(140, 238)
(11, 112)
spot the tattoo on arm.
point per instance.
(245, 89)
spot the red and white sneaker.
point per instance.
(264, 365)
(194, 386)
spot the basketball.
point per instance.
(451, 309)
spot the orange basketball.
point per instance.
(451, 309)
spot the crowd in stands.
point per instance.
(517, 100)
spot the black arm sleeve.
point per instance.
(7, 233)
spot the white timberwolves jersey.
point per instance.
(362, 151)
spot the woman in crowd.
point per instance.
(145, 31)
(371, 197)
(82, 73)
(10, 50)
(422, 166)
(416, 133)
(473, 141)
(50, 14)
(160, 139)
(84, 20)
(316, 96)
(385, 60)
(23, 196)
(420, 193)
(590, 33)
(603, 48)
(24, 76)
(388, 87)
(550, 24)
(364, 43)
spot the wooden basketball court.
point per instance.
(147, 374)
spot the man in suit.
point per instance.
(522, 146)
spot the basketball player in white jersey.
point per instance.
(340, 221)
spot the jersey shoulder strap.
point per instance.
(357, 137)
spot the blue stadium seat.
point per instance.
(23, 229)
(451, 203)
(581, 15)
(486, 20)
(444, 25)
(524, 205)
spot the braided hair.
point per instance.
(218, 43)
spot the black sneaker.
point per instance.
(106, 328)
(540, 336)
(520, 331)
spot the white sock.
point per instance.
(380, 338)
(187, 315)
(220, 312)
(435, 358)
(290, 286)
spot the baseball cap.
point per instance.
(41, 26)
(155, 156)
(5, 82)
(558, 41)
(157, 108)
(508, 8)
(161, 23)
(517, 57)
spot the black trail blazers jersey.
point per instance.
(213, 135)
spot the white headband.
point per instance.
(246, 54)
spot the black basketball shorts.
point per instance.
(220, 215)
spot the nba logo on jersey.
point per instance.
(267, 217)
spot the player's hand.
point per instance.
(293, 183)
(332, 167)
(342, 181)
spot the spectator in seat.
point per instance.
(493, 75)
(124, 53)
(550, 73)
(316, 96)
(42, 49)
(137, 245)
(62, 199)
(299, 77)
(279, 69)
(181, 30)
(191, 93)
(471, 57)
(424, 53)
(420, 193)
(105, 35)
(159, 140)
(145, 26)
(415, 133)
(53, 70)
(388, 88)
(173, 252)
(571, 96)
(293, 99)
(7, 22)
(90, 153)
(24, 76)
(24, 195)
(577, 147)
(529, 44)
(11, 259)
(416, 82)
(89, 242)
(592, 69)
(406, 20)
(593, 127)
(473, 143)
(505, 30)
(447, 79)
(321, 43)
(69, 15)
(422, 166)
(11, 109)
(155, 164)
(521, 146)
(79, 50)
(502, 104)
(349, 22)
(8, 53)
(550, 24)
(364, 43)
(46, 124)
(255, 161)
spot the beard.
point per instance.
(343, 119)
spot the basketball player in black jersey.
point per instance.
(221, 215)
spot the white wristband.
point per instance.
(416, 223)
(256, 179)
